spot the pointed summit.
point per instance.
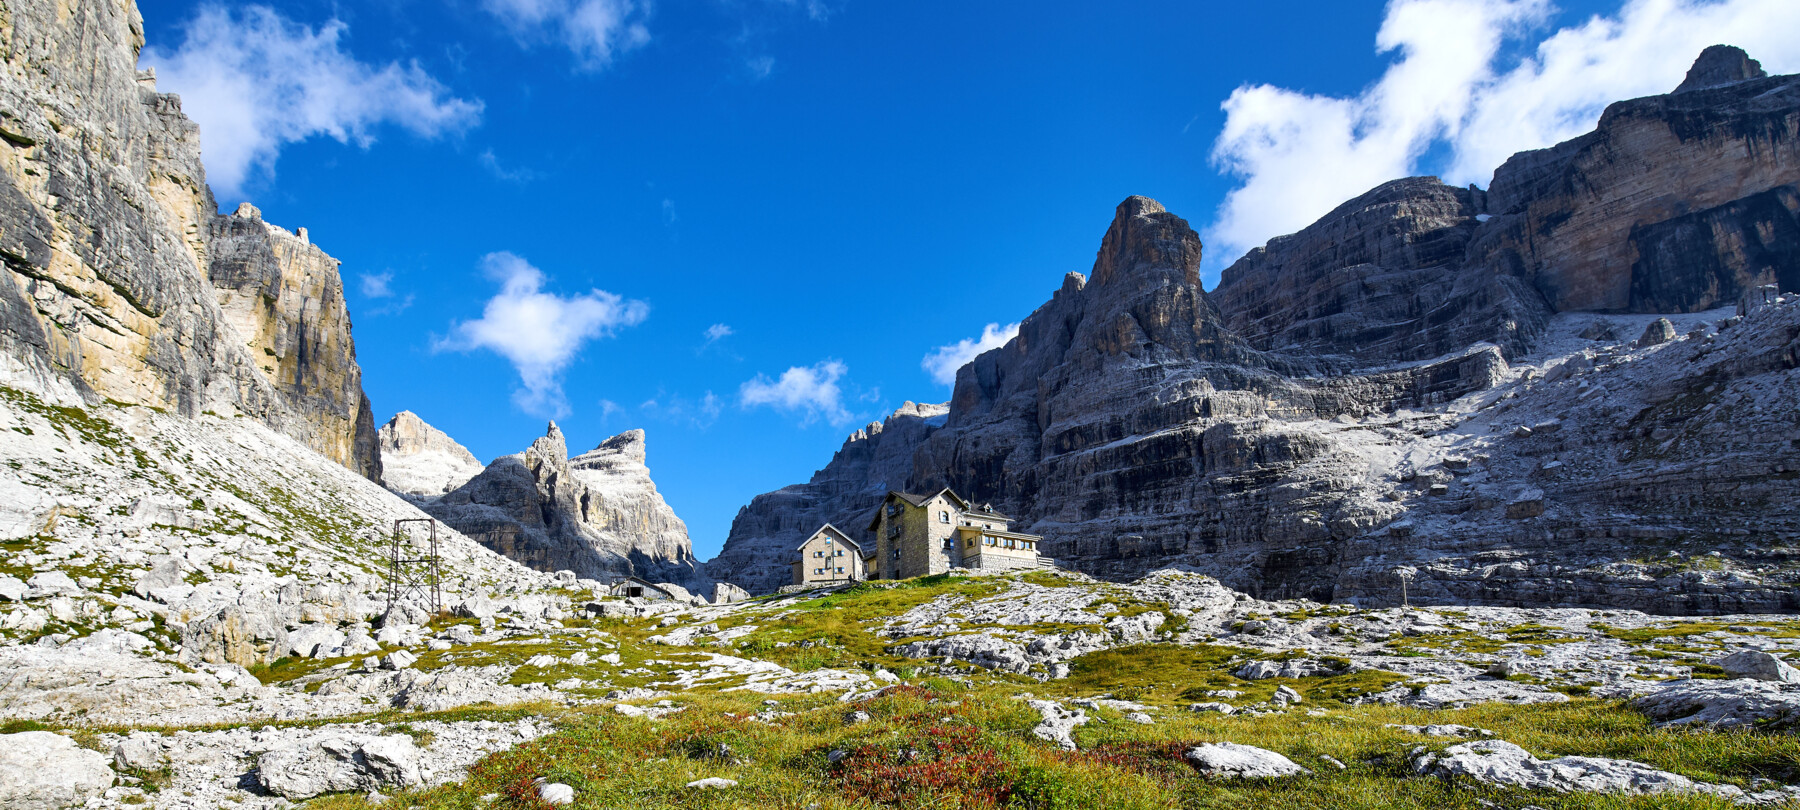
(1720, 65)
(1144, 234)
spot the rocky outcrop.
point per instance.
(121, 282)
(597, 514)
(1380, 279)
(420, 460)
(1674, 203)
(844, 493)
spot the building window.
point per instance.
(944, 516)
(840, 552)
(840, 570)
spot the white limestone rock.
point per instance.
(1234, 761)
(1736, 703)
(1059, 723)
(1758, 665)
(420, 460)
(1497, 762)
(338, 764)
(44, 771)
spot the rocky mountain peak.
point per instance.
(629, 445)
(551, 448)
(1145, 235)
(1720, 65)
(420, 460)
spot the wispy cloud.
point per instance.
(380, 287)
(256, 81)
(668, 212)
(594, 31)
(376, 285)
(1447, 93)
(539, 332)
(943, 361)
(700, 413)
(718, 332)
(516, 174)
(811, 392)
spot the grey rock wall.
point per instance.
(116, 262)
(598, 514)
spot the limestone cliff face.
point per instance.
(1131, 429)
(1382, 278)
(598, 514)
(844, 493)
(421, 461)
(1674, 203)
(111, 248)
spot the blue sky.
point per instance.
(744, 225)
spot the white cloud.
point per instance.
(594, 31)
(539, 332)
(255, 81)
(377, 285)
(701, 413)
(491, 163)
(718, 332)
(943, 361)
(811, 391)
(1299, 155)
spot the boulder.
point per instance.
(1758, 665)
(1497, 762)
(51, 583)
(167, 573)
(44, 771)
(1737, 703)
(555, 793)
(1233, 761)
(314, 640)
(13, 589)
(141, 751)
(1659, 331)
(1059, 723)
(338, 764)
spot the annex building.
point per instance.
(829, 555)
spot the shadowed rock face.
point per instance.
(121, 281)
(597, 514)
(1431, 379)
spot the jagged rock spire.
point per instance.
(1721, 65)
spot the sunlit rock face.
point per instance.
(421, 461)
(1538, 394)
(597, 514)
(122, 283)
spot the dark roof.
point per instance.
(834, 530)
(986, 510)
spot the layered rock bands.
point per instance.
(120, 280)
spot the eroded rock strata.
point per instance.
(1471, 390)
(421, 461)
(121, 282)
(597, 514)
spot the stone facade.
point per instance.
(920, 535)
(829, 555)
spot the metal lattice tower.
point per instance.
(415, 569)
